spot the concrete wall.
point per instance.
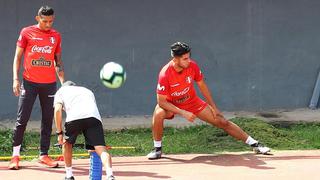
(255, 54)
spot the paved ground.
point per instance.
(121, 122)
(283, 165)
(293, 165)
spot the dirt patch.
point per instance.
(227, 166)
(269, 115)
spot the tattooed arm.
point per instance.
(59, 67)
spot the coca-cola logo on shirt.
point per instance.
(42, 49)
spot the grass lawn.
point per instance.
(195, 139)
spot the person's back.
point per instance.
(79, 102)
(82, 118)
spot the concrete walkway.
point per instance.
(121, 122)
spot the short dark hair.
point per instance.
(179, 49)
(45, 11)
(69, 83)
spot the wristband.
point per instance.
(59, 133)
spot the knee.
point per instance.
(159, 114)
(100, 149)
(20, 125)
(223, 123)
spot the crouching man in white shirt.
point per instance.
(82, 116)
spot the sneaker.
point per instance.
(155, 154)
(260, 148)
(111, 177)
(69, 178)
(14, 163)
(48, 162)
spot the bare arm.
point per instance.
(58, 116)
(16, 69)
(59, 67)
(58, 120)
(207, 95)
(164, 104)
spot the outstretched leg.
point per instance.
(232, 129)
(219, 121)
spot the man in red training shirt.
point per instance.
(176, 95)
(41, 46)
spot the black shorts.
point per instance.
(90, 127)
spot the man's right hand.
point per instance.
(16, 87)
(188, 115)
(60, 139)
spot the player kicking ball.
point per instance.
(176, 95)
(82, 117)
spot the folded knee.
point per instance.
(159, 113)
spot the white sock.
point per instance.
(103, 158)
(157, 143)
(68, 171)
(16, 150)
(109, 171)
(251, 141)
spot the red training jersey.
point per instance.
(40, 48)
(179, 86)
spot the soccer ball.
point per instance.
(112, 75)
